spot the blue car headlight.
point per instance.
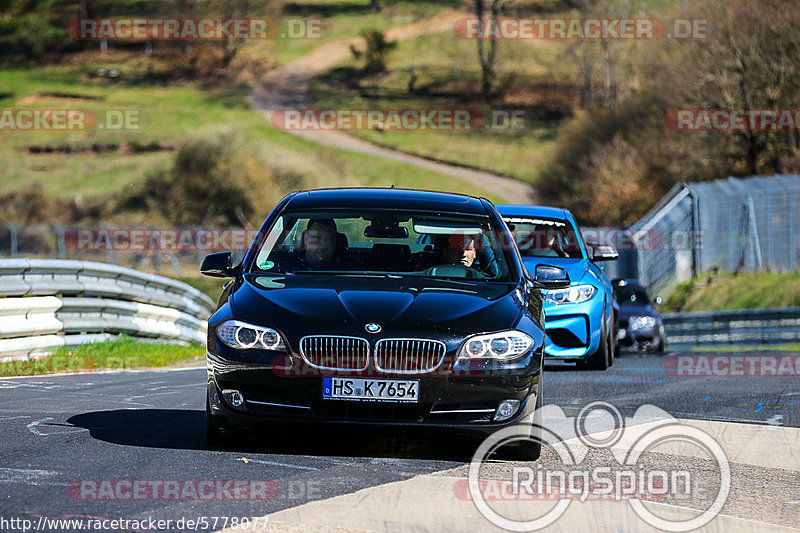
(243, 336)
(571, 295)
(502, 346)
(642, 322)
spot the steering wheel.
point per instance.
(454, 271)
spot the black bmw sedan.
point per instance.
(377, 306)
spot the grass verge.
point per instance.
(124, 353)
(724, 291)
(171, 113)
(446, 77)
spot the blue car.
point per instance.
(580, 321)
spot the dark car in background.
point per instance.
(640, 325)
(349, 307)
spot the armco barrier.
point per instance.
(45, 304)
(744, 327)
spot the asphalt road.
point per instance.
(56, 431)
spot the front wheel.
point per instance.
(216, 436)
(530, 449)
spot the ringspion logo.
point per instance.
(628, 477)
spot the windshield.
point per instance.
(544, 237)
(631, 295)
(381, 242)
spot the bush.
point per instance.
(376, 51)
(218, 178)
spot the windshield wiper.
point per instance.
(344, 273)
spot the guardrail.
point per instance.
(750, 326)
(45, 304)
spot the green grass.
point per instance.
(755, 290)
(123, 353)
(342, 19)
(447, 78)
(172, 113)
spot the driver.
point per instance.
(317, 250)
(460, 249)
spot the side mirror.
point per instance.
(219, 265)
(551, 277)
(603, 252)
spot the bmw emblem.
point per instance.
(372, 327)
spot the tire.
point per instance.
(530, 449)
(660, 346)
(612, 349)
(600, 360)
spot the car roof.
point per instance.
(387, 198)
(533, 211)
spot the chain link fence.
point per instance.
(734, 225)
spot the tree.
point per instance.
(487, 16)
(748, 62)
(376, 51)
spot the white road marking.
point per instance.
(776, 420)
(28, 476)
(276, 463)
(35, 428)
(721, 514)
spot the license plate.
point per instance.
(375, 390)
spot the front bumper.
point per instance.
(446, 400)
(644, 338)
(572, 331)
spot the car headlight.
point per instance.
(244, 336)
(571, 295)
(642, 322)
(504, 346)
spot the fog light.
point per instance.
(234, 398)
(506, 410)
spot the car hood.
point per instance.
(576, 268)
(307, 304)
